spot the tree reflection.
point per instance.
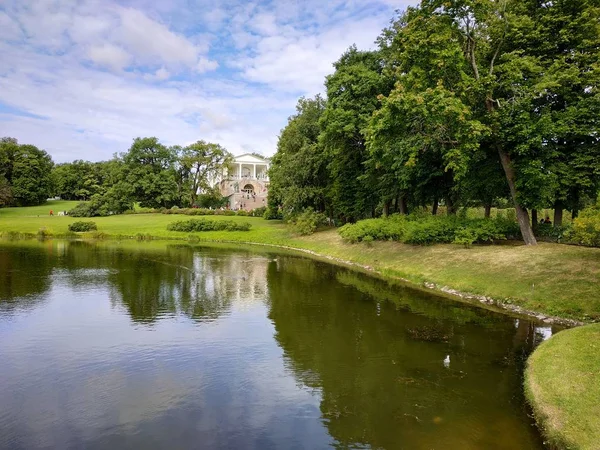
(25, 274)
(385, 386)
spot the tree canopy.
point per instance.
(465, 102)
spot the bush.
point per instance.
(423, 230)
(258, 212)
(83, 226)
(308, 221)
(586, 228)
(273, 214)
(224, 212)
(385, 229)
(196, 225)
(242, 212)
(112, 202)
(553, 233)
(82, 210)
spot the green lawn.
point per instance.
(552, 279)
(42, 211)
(562, 383)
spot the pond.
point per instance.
(154, 345)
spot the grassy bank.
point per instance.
(562, 383)
(551, 279)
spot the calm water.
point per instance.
(180, 347)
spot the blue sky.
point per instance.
(82, 78)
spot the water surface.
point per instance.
(172, 346)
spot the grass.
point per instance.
(562, 383)
(552, 279)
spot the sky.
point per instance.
(82, 78)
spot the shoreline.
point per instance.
(483, 301)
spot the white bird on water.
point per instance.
(447, 361)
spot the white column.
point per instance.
(239, 173)
(254, 167)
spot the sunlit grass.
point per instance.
(562, 384)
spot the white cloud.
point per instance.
(150, 41)
(206, 65)
(9, 29)
(162, 74)
(161, 59)
(109, 55)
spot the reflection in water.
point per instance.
(443, 376)
(173, 346)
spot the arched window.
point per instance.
(248, 189)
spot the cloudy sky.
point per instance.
(82, 78)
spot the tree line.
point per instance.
(463, 103)
(149, 173)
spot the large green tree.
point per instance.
(25, 173)
(352, 92)
(298, 174)
(199, 164)
(149, 173)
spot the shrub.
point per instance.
(586, 228)
(258, 212)
(273, 214)
(423, 230)
(554, 233)
(242, 212)
(43, 233)
(197, 225)
(82, 210)
(308, 221)
(82, 226)
(385, 229)
(112, 202)
(224, 212)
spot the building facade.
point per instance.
(247, 184)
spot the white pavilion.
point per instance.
(247, 183)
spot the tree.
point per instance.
(5, 192)
(352, 92)
(199, 165)
(149, 173)
(78, 180)
(298, 173)
(26, 171)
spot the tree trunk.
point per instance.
(534, 219)
(488, 211)
(434, 207)
(403, 206)
(522, 215)
(558, 215)
(450, 206)
(386, 208)
(574, 213)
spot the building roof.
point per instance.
(250, 158)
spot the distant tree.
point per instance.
(149, 173)
(5, 192)
(27, 171)
(200, 164)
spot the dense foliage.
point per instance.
(464, 103)
(25, 174)
(83, 226)
(586, 228)
(420, 229)
(308, 222)
(194, 225)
